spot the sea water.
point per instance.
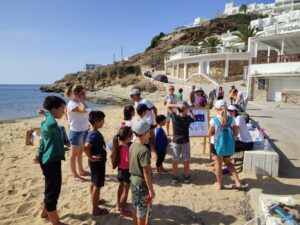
(22, 101)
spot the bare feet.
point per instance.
(78, 178)
(219, 186)
(44, 213)
(84, 173)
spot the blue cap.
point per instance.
(186, 105)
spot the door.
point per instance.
(274, 90)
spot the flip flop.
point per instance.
(243, 187)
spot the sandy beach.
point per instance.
(22, 186)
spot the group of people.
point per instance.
(139, 133)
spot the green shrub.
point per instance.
(155, 41)
(146, 85)
(130, 80)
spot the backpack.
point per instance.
(224, 138)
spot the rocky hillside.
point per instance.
(127, 72)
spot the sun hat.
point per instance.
(232, 108)
(142, 107)
(140, 127)
(220, 103)
(198, 89)
(135, 91)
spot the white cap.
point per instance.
(232, 107)
(140, 127)
(220, 103)
(135, 91)
(198, 89)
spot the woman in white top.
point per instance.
(77, 115)
(244, 141)
(224, 120)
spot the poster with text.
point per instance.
(199, 128)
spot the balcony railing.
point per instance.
(201, 51)
(276, 59)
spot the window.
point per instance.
(261, 84)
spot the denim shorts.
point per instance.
(78, 138)
(139, 200)
(181, 149)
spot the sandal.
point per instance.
(243, 187)
(101, 212)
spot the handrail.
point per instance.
(202, 51)
(276, 59)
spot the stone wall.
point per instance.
(216, 70)
(198, 80)
(262, 56)
(192, 68)
(181, 71)
(291, 96)
(236, 67)
(259, 95)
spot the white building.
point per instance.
(278, 24)
(266, 9)
(231, 8)
(274, 68)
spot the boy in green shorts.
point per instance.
(50, 154)
(140, 169)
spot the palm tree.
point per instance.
(243, 8)
(210, 43)
(244, 33)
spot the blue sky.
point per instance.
(41, 40)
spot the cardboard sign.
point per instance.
(199, 128)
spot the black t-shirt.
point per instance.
(181, 126)
(96, 139)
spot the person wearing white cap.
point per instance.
(244, 141)
(200, 99)
(223, 132)
(140, 169)
(135, 95)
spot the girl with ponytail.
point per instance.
(120, 159)
(223, 131)
(77, 116)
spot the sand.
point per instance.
(22, 186)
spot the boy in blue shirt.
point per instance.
(50, 154)
(161, 143)
(95, 150)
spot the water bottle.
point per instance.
(266, 145)
(261, 134)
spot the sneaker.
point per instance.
(174, 180)
(187, 180)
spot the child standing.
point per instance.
(50, 154)
(140, 169)
(223, 131)
(161, 143)
(128, 113)
(181, 139)
(179, 94)
(95, 149)
(120, 159)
